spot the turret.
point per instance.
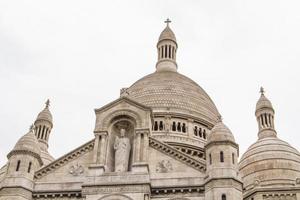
(166, 49)
(23, 161)
(43, 126)
(265, 116)
(222, 168)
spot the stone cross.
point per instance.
(168, 21)
(262, 91)
(47, 103)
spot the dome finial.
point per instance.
(168, 21)
(220, 119)
(166, 50)
(262, 91)
(31, 128)
(47, 103)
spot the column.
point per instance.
(146, 146)
(137, 146)
(96, 147)
(103, 144)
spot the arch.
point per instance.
(115, 197)
(18, 165)
(221, 156)
(111, 116)
(29, 167)
(223, 196)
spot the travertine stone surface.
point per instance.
(163, 139)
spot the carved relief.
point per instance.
(298, 181)
(280, 197)
(76, 170)
(164, 166)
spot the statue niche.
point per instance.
(122, 152)
(120, 145)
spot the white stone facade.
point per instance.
(175, 143)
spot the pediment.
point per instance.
(140, 114)
(187, 160)
(73, 166)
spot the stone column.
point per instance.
(146, 146)
(99, 157)
(96, 147)
(137, 146)
(103, 145)
(141, 151)
(190, 127)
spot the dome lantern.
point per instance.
(166, 49)
(265, 116)
(43, 126)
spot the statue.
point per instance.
(122, 152)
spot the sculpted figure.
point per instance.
(122, 152)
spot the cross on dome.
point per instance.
(47, 103)
(168, 21)
(31, 128)
(262, 91)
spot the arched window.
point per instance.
(221, 156)
(223, 196)
(155, 126)
(161, 126)
(174, 126)
(29, 167)
(204, 134)
(166, 51)
(233, 158)
(200, 132)
(196, 131)
(210, 160)
(183, 128)
(18, 165)
(178, 127)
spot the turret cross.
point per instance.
(168, 21)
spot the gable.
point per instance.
(71, 167)
(140, 114)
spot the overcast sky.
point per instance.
(81, 53)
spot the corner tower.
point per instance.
(166, 49)
(43, 126)
(23, 161)
(270, 164)
(222, 182)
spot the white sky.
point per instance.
(80, 53)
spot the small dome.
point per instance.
(167, 34)
(45, 114)
(28, 142)
(270, 162)
(263, 101)
(220, 132)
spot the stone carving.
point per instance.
(122, 152)
(164, 166)
(297, 181)
(280, 197)
(76, 170)
(256, 183)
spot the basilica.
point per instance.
(162, 139)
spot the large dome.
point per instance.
(270, 162)
(170, 91)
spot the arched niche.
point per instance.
(115, 197)
(107, 121)
(115, 125)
